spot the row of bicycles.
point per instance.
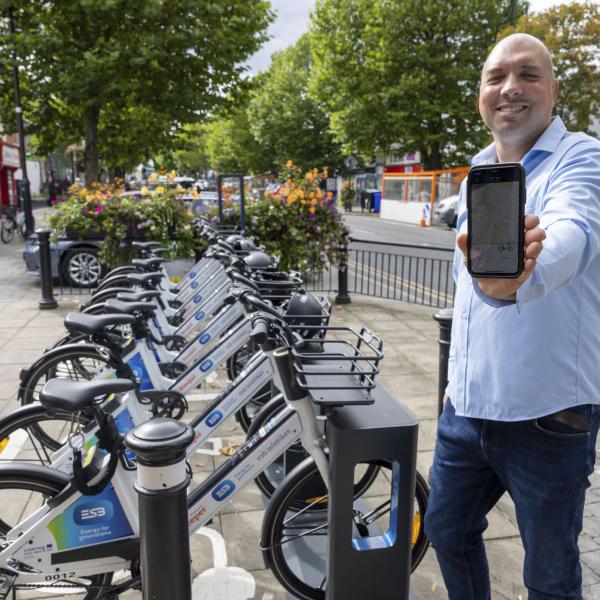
(137, 350)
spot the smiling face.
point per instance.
(517, 93)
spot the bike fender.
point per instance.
(29, 410)
(104, 295)
(24, 375)
(48, 474)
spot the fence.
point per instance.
(412, 273)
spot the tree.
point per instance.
(405, 73)
(87, 63)
(287, 122)
(231, 145)
(572, 34)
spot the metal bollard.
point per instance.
(444, 318)
(342, 296)
(48, 300)
(162, 481)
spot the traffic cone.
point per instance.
(422, 222)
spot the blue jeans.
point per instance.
(545, 470)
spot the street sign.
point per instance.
(210, 196)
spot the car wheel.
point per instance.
(80, 267)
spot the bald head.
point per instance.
(517, 93)
(520, 42)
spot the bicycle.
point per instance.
(47, 547)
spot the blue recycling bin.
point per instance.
(377, 202)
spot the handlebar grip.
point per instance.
(260, 330)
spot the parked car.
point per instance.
(73, 262)
(446, 211)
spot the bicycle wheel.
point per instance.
(18, 439)
(21, 494)
(70, 363)
(288, 533)
(269, 480)
(7, 230)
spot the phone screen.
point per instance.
(495, 216)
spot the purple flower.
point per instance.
(99, 208)
(85, 210)
(122, 245)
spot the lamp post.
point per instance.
(25, 191)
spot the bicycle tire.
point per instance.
(277, 518)
(33, 484)
(27, 420)
(73, 367)
(269, 480)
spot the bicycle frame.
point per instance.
(84, 536)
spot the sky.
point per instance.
(293, 20)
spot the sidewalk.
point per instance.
(410, 372)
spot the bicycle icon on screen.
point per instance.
(505, 248)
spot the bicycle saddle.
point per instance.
(145, 279)
(73, 396)
(94, 324)
(138, 296)
(145, 245)
(148, 264)
(129, 308)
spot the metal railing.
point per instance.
(419, 274)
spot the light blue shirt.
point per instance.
(512, 361)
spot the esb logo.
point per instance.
(206, 365)
(197, 298)
(214, 418)
(224, 490)
(199, 315)
(92, 513)
(194, 285)
(193, 274)
(205, 337)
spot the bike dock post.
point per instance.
(376, 566)
(162, 481)
(48, 300)
(444, 318)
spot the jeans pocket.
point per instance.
(556, 429)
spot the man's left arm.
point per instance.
(570, 217)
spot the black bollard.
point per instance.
(48, 300)
(162, 480)
(342, 296)
(444, 318)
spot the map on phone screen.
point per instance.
(494, 226)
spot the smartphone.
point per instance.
(495, 207)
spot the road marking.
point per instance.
(14, 446)
(221, 581)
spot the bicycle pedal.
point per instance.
(7, 581)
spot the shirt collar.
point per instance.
(547, 142)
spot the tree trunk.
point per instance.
(432, 157)
(90, 155)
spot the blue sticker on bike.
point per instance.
(223, 490)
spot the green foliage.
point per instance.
(299, 223)
(287, 122)
(104, 212)
(572, 34)
(124, 74)
(404, 73)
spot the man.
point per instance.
(522, 412)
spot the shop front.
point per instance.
(9, 165)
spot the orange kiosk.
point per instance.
(9, 164)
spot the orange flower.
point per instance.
(288, 182)
(289, 164)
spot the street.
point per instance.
(421, 275)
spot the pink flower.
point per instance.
(53, 202)
(99, 208)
